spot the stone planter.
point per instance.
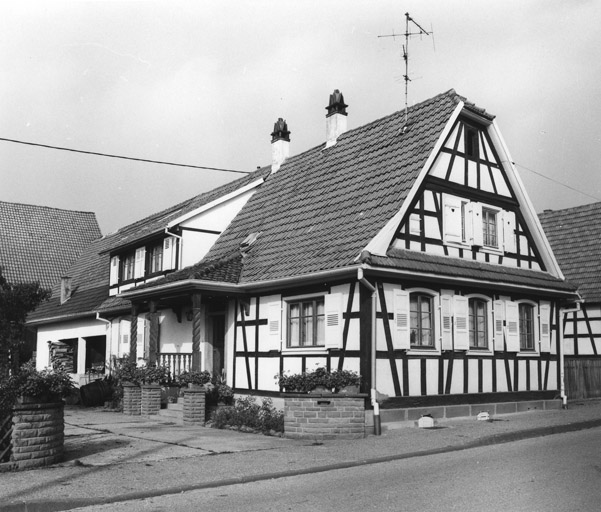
(37, 434)
(132, 399)
(194, 406)
(324, 416)
(150, 399)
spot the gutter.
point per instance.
(373, 391)
(562, 382)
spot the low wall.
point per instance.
(194, 406)
(132, 400)
(37, 436)
(324, 416)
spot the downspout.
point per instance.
(110, 334)
(181, 244)
(562, 382)
(373, 392)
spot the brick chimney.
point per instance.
(280, 144)
(335, 118)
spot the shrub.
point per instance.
(247, 414)
(127, 371)
(218, 392)
(155, 374)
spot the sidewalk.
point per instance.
(111, 457)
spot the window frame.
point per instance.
(421, 294)
(486, 212)
(127, 267)
(471, 142)
(486, 302)
(315, 300)
(531, 334)
(151, 250)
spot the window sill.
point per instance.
(483, 352)
(528, 353)
(305, 350)
(423, 351)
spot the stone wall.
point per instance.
(37, 436)
(324, 416)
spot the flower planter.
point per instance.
(132, 399)
(150, 399)
(194, 406)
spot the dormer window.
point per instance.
(471, 143)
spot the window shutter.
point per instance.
(509, 244)
(333, 312)
(453, 225)
(401, 320)
(545, 327)
(114, 274)
(139, 267)
(446, 313)
(476, 215)
(512, 321)
(499, 317)
(415, 225)
(169, 253)
(274, 320)
(462, 339)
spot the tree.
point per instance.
(16, 301)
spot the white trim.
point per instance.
(379, 244)
(214, 203)
(526, 207)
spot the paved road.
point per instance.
(555, 473)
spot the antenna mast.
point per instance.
(408, 34)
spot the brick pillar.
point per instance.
(151, 399)
(38, 434)
(132, 398)
(194, 406)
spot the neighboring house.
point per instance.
(575, 236)
(409, 252)
(87, 323)
(39, 244)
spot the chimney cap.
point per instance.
(280, 131)
(337, 105)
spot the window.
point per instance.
(155, 258)
(471, 143)
(421, 320)
(526, 315)
(127, 266)
(478, 325)
(489, 228)
(306, 323)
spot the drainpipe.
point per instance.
(110, 334)
(374, 401)
(562, 383)
(181, 244)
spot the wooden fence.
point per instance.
(583, 377)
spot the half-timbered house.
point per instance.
(406, 249)
(575, 237)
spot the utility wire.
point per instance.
(122, 157)
(557, 182)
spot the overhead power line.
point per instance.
(557, 182)
(160, 162)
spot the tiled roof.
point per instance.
(90, 273)
(322, 207)
(38, 243)
(445, 266)
(157, 222)
(575, 237)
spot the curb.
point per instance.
(60, 505)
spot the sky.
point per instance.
(202, 83)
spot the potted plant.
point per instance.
(318, 380)
(193, 378)
(29, 385)
(127, 372)
(155, 374)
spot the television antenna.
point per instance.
(410, 24)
